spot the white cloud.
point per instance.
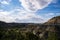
(19, 15)
(4, 16)
(54, 1)
(49, 14)
(5, 1)
(34, 5)
(4, 13)
(22, 16)
(56, 4)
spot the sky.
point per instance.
(28, 11)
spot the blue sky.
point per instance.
(14, 11)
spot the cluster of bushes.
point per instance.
(16, 35)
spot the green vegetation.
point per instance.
(52, 36)
(15, 34)
(17, 31)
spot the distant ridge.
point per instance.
(44, 31)
(54, 20)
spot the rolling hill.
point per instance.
(49, 30)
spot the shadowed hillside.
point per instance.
(31, 31)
